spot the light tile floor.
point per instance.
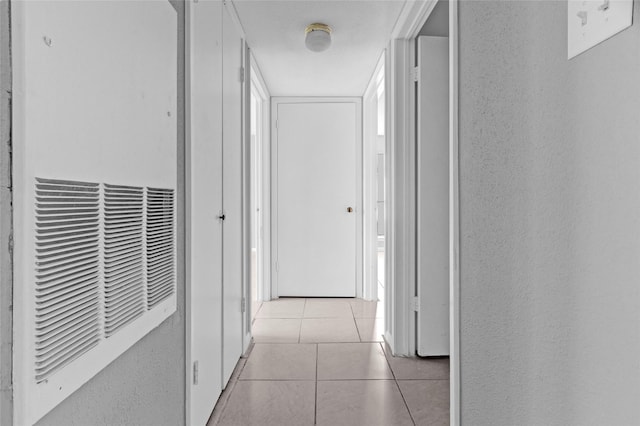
(323, 362)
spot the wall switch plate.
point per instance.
(591, 22)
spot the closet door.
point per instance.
(433, 196)
(232, 198)
(204, 204)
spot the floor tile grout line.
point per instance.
(315, 405)
(300, 329)
(255, 316)
(276, 380)
(405, 402)
(356, 324)
(397, 384)
(387, 354)
(246, 356)
(352, 312)
(224, 398)
(357, 380)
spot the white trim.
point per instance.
(235, 17)
(274, 182)
(246, 197)
(400, 260)
(454, 212)
(389, 231)
(359, 205)
(188, 311)
(265, 140)
(273, 168)
(412, 18)
(369, 196)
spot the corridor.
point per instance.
(323, 361)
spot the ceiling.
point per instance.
(275, 33)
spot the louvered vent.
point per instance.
(160, 245)
(123, 268)
(67, 273)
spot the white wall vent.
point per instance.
(160, 245)
(124, 290)
(95, 249)
(104, 276)
(67, 273)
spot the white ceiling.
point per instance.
(275, 33)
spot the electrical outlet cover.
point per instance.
(591, 22)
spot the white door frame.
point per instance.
(246, 193)
(400, 259)
(454, 218)
(369, 196)
(264, 292)
(274, 183)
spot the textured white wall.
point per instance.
(6, 258)
(550, 220)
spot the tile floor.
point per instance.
(323, 362)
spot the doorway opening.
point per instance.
(375, 186)
(390, 229)
(259, 287)
(380, 185)
(256, 204)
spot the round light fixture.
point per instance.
(318, 37)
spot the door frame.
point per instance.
(369, 195)
(275, 101)
(246, 189)
(257, 80)
(400, 259)
(263, 148)
(454, 218)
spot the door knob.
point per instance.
(350, 209)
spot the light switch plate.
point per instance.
(593, 21)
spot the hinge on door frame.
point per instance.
(242, 75)
(243, 305)
(195, 372)
(277, 266)
(415, 304)
(414, 74)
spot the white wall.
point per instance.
(550, 230)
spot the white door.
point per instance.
(433, 196)
(316, 176)
(232, 198)
(204, 191)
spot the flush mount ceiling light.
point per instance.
(317, 37)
